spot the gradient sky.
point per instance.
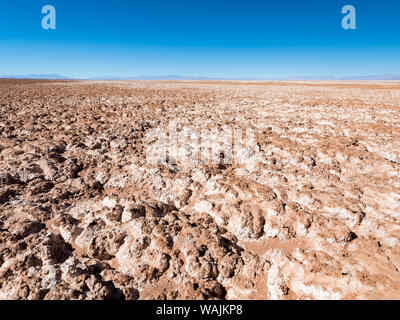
(214, 38)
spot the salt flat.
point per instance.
(199, 190)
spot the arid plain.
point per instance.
(308, 209)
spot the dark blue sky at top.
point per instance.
(200, 38)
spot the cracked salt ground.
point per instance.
(309, 211)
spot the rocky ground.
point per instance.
(310, 210)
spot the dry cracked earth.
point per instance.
(85, 215)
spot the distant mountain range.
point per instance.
(161, 77)
(37, 76)
(140, 77)
(387, 77)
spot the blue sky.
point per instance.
(216, 38)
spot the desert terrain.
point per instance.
(94, 206)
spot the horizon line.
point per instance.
(55, 76)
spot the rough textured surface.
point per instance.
(84, 215)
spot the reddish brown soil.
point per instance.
(84, 215)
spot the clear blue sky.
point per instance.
(215, 38)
